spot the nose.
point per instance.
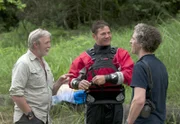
(107, 35)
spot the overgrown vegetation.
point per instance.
(70, 14)
(65, 48)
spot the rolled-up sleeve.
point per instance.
(20, 74)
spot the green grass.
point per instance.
(169, 53)
(67, 114)
(64, 50)
(6, 115)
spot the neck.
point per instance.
(35, 52)
(143, 53)
(101, 49)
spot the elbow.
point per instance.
(14, 98)
(127, 78)
(11, 98)
(139, 102)
(127, 82)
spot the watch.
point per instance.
(75, 84)
(30, 115)
(126, 122)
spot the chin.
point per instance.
(45, 54)
(107, 44)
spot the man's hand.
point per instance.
(84, 85)
(99, 80)
(64, 79)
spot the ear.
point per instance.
(141, 45)
(94, 36)
(35, 45)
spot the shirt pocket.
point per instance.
(37, 78)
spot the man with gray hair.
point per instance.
(149, 80)
(32, 82)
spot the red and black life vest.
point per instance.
(103, 64)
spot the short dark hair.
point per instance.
(148, 36)
(98, 24)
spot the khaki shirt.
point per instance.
(29, 80)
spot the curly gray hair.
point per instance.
(148, 36)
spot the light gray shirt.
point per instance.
(30, 80)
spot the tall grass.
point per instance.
(169, 53)
(64, 50)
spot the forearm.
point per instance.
(134, 112)
(56, 87)
(115, 78)
(64, 79)
(22, 103)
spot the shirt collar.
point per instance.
(31, 55)
(145, 56)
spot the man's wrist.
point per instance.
(75, 84)
(29, 115)
(126, 122)
(112, 78)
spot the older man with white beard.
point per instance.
(32, 84)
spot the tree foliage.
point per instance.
(17, 3)
(8, 9)
(70, 14)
